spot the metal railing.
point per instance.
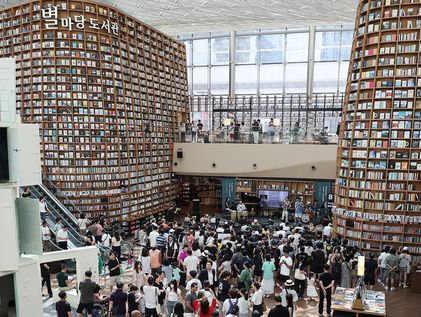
(311, 112)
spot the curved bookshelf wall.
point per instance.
(108, 92)
(378, 186)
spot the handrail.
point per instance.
(50, 183)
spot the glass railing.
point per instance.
(229, 135)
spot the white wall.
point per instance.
(9, 246)
(272, 160)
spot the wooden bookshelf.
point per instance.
(108, 92)
(378, 186)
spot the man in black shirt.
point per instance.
(118, 301)
(278, 310)
(224, 286)
(62, 306)
(326, 283)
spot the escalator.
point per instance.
(58, 210)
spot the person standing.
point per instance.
(118, 301)
(370, 271)
(114, 268)
(46, 236)
(257, 298)
(62, 306)
(286, 265)
(173, 296)
(268, 282)
(404, 267)
(86, 289)
(45, 274)
(381, 263)
(391, 267)
(326, 283)
(62, 237)
(82, 223)
(278, 310)
(155, 256)
(151, 294)
(191, 263)
(43, 209)
(116, 245)
(209, 275)
(299, 208)
(63, 279)
(98, 230)
(145, 261)
(285, 207)
(189, 301)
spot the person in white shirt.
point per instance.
(289, 289)
(106, 240)
(46, 236)
(241, 207)
(193, 274)
(173, 296)
(62, 237)
(257, 298)
(286, 265)
(82, 223)
(381, 261)
(152, 238)
(151, 297)
(327, 231)
(43, 210)
(191, 263)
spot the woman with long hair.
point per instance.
(116, 244)
(290, 305)
(139, 277)
(203, 307)
(173, 296)
(178, 310)
(268, 282)
(257, 264)
(145, 260)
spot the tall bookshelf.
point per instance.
(108, 92)
(378, 186)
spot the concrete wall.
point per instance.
(271, 160)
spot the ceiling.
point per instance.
(188, 16)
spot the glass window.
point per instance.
(190, 79)
(327, 46)
(188, 52)
(346, 45)
(200, 80)
(246, 79)
(297, 47)
(200, 52)
(272, 48)
(325, 77)
(220, 51)
(296, 78)
(246, 47)
(343, 75)
(220, 80)
(271, 79)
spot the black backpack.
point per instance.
(232, 304)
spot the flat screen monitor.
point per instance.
(4, 157)
(272, 198)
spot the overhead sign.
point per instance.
(52, 21)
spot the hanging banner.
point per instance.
(322, 189)
(228, 192)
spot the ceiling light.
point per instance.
(114, 4)
(160, 13)
(204, 3)
(140, 5)
(168, 7)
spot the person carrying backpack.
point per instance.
(230, 302)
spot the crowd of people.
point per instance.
(217, 268)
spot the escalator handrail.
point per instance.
(50, 183)
(58, 203)
(78, 240)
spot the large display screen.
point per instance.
(4, 160)
(272, 198)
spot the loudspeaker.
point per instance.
(180, 154)
(196, 208)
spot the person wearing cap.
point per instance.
(279, 310)
(404, 267)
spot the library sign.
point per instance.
(52, 22)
